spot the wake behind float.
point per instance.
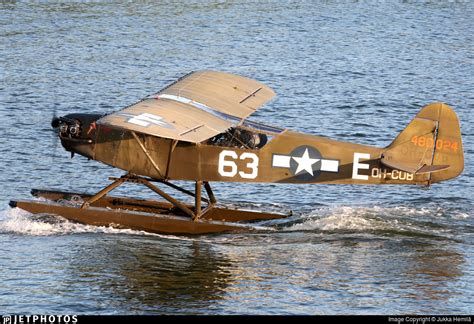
(197, 129)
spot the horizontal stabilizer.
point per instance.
(414, 168)
(404, 166)
(432, 168)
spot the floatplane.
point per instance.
(197, 129)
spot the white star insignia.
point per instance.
(145, 120)
(305, 163)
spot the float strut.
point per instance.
(163, 194)
(197, 200)
(134, 179)
(210, 193)
(103, 192)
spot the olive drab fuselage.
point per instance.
(287, 157)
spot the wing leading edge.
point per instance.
(197, 107)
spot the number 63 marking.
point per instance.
(228, 168)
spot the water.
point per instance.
(350, 71)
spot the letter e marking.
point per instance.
(357, 165)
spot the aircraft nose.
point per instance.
(77, 132)
(67, 127)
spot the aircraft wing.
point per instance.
(196, 107)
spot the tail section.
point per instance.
(431, 144)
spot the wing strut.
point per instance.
(157, 168)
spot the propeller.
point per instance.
(55, 123)
(55, 139)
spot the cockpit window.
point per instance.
(262, 127)
(239, 138)
(248, 135)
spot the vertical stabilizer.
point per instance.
(430, 144)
